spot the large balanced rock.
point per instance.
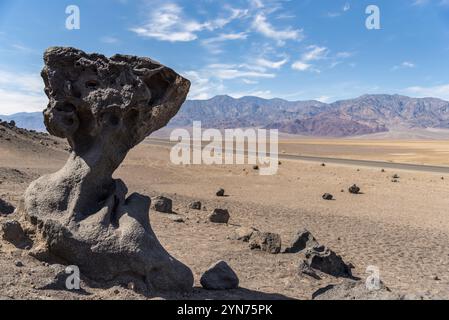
(266, 241)
(81, 215)
(220, 276)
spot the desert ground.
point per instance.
(400, 227)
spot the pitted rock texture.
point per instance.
(103, 107)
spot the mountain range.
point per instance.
(367, 114)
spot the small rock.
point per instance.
(162, 204)
(196, 205)
(395, 180)
(6, 208)
(304, 268)
(220, 276)
(354, 189)
(383, 170)
(302, 240)
(220, 193)
(178, 219)
(436, 278)
(396, 176)
(13, 232)
(18, 264)
(255, 167)
(219, 216)
(242, 234)
(266, 241)
(323, 164)
(328, 196)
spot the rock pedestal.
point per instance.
(80, 214)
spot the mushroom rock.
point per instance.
(80, 214)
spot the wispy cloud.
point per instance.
(439, 91)
(313, 53)
(264, 27)
(404, 65)
(21, 92)
(271, 64)
(168, 23)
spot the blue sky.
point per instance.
(292, 49)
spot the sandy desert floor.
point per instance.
(402, 228)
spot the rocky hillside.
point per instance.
(367, 114)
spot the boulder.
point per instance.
(80, 214)
(302, 240)
(6, 208)
(266, 241)
(162, 204)
(327, 261)
(219, 216)
(242, 234)
(196, 205)
(220, 276)
(220, 193)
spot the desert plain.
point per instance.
(400, 227)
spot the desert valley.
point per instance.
(397, 223)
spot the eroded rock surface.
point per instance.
(80, 214)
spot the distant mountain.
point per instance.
(365, 115)
(30, 121)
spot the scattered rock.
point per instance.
(383, 170)
(354, 189)
(196, 205)
(302, 240)
(162, 204)
(220, 276)
(304, 268)
(220, 193)
(219, 216)
(242, 234)
(328, 196)
(323, 164)
(178, 219)
(354, 290)
(256, 167)
(396, 176)
(327, 261)
(6, 208)
(395, 180)
(266, 241)
(12, 232)
(18, 264)
(436, 278)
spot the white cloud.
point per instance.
(248, 81)
(301, 66)
(313, 53)
(324, 99)
(440, 91)
(271, 64)
(263, 26)
(404, 65)
(168, 23)
(21, 92)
